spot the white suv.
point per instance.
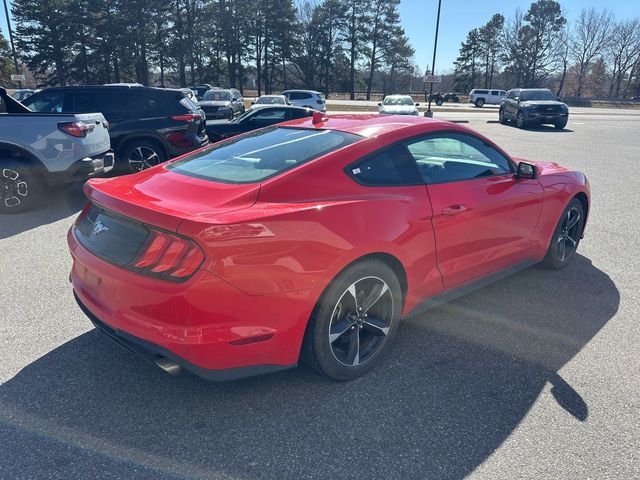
(307, 99)
(490, 97)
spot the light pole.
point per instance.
(13, 48)
(429, 113)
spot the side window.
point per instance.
(391, 167)
(510, 94)
(451, 157)
(46, 102)
(482, 92)
(85, 102)
(147, 104)
(270, 114)
(495, 92)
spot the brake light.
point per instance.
(187, 117)
(168, 256)
(76, 129)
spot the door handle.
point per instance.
(453, 209)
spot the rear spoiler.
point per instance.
(12, 106)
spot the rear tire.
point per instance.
(566, 236)
(480, 102)
(354, 321)
(20, 186)
(138, 155)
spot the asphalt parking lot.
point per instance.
(532, 377)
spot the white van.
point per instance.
(490, 97)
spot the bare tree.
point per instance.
(624, 52)
(591, 38)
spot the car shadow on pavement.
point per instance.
(57, 203)
(458, 381)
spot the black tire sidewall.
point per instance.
(34, 182)
(316, 349)
(132, 145)
(480, 103)
(518, 124)
(551, 259)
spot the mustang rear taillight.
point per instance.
(168, 257)
(76, 129)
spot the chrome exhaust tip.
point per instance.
(168, 366)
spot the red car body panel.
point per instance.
(271, 248)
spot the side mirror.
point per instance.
(234, 99)
(417, 104)
(379, 104)
(517, 99)
(526, 170)
(253, 103)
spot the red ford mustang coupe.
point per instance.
(310, 240)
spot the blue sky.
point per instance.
(458, 17)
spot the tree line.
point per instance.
(595, 55)
(269, 45)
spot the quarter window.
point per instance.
(451, 157)
(389, 168)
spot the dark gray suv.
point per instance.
(529, 106)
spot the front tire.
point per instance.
(20, 187)
(566, 236)
(561, 124)
(520, 123)
(501, 118)
(354, 321)
(439, 102)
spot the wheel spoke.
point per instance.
(354, 294)
(562, 249)
(339, 329)
(353, 355)
(573, 242)
(378, 291)
(377, 325)
(571, 222)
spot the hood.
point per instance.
(542, 102)
(165, 199)
(398, 109)
(214, 103)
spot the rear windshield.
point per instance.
(528, 95)
(261, 154)
(271, 101)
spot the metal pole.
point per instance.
(429, 113)
(13, 48)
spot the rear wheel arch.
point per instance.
(127, 141)
(12, 152)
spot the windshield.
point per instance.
(261, 154)
(270, 101)
(217, 96)
(530, 95)
(398, 101)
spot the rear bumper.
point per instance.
(151, 353)
(83, 169)
(204, 324)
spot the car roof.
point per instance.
(367, 125)
(302, 91)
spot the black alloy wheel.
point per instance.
(354, 321)
(566, 236)
(20, 188)
(141, 155)
(501, 117)
(520, 123)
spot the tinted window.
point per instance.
(270, 114)
(529, 95)
(495, 92)
(511, 94)
(298, 96)
(483, 92)
(45, 102)
(449, 157)
(391, 167)
(398, 101)
(261, 154)
(141, 103)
